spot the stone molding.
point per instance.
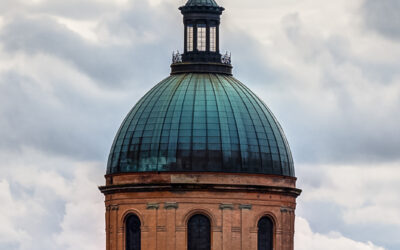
(245, 206)
(112, 208)
(153, 206)
(171, 205)
(148, 178)
(226, 206)
(286, 210)
(112, 189)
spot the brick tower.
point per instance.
(200, 162)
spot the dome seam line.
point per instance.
(172, 95)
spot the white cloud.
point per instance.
(330, 83)
(52, 198)
(366, 194)
(10, 210)
(82, 224)
(306, 239)
(86, 29)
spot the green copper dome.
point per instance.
(202, 3)
(200, 122)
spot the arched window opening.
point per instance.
(199, 233)
(132, 227)
(213, 38)
(265, 234)
(190, 37)
(201, 37)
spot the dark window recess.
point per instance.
(199, 233)
(133, 233)
(265, 234)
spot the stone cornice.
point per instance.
(125, 188)
(201, 178)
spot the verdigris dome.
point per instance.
(200, 122)
(202, 3)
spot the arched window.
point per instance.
(132, 228)
(199, 233)
(265, 234)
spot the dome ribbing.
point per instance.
(201, 3)
(200, 123)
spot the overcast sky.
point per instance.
(71, 70)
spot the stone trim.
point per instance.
(226, 206)
(202, 178)
(245, 206)
(112, 189)
(286, 210)
(114, 207)
(153, 206)
(171, 205)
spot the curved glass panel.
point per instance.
(132, 233)
(265, 234)
(199, 233)
(201, 123)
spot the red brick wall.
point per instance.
(233, 215)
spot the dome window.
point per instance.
(213, 39)
(189, 32)
(201, 37)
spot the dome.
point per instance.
(202, 3)
(200, 122)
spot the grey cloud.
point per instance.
(326, 217)
(29, 119)
(110, 66)
(74, 9)
(107, 64)
(339, 129)
(318, 202)
(42, 199)
(83, 125)
(350, 133)
(383, 17)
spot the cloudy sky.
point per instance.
(71, 70)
